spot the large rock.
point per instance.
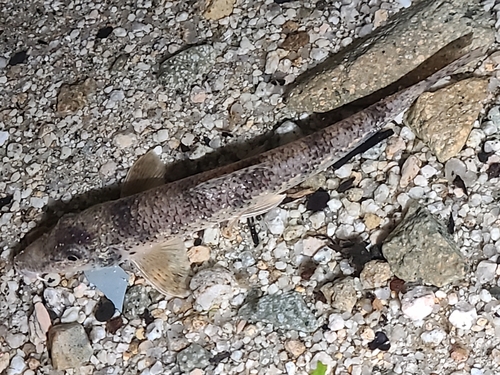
(69, 346)
(420, 249)
(383, 57)
(444, 119)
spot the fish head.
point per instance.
(70, 246)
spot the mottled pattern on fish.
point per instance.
(105, 233)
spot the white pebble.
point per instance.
(97, 333)
(434, 337)
(4, 136)
(418, 303)
(120, 32)
(275, 220)
(336, 322)
(486, 271)
(463, 316)
(154, 330)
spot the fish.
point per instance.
(148, 224)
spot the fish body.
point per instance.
(148, 227)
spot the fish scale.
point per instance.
(149, 227)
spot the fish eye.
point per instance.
(72, 258)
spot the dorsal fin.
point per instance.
(146, 173)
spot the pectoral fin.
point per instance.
(166, 266)
(261, 205)
(146, 173)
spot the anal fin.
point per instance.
(165, 266)
(146, 173)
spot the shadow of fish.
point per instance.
(148, 224)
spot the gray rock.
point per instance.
(194, 356)
(443, 119)
(187, 67)
(419, 29)
(420, 248)
(341, 294)
(136, 301)
(285, 311)
(69, 346)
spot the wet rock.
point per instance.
(136, 302)
(419, 29)
(217, 9)
(193, 357)
(420, 248)
(285, 311)
(418, 303)
(375, 274)
(184, 69)
(213, 287)
(73, 97)
(341, 294)
(69, 346)
(444, 118)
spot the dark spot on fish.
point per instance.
(451, 224)
(104, 32)
(346, 185)
(105, 310)
(113, 325)
(318, 200)
(219, 357)
(381, 342)
(18, 58)
(253, 231)
(6, 200)
(494, 170)
(459, 183)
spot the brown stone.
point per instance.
(295, 41)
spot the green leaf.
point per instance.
(320, 369)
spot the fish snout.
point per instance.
(30, 261)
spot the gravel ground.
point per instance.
(85, 94)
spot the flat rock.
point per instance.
(217, 9)
(69, 346)
(182, 70)
(341, 294)
(193, 357)
(444, 119)
(412, 36)
(73, 97)
(420, 248)
(285, 311)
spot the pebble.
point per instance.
(4, 137)
(341, 295)
(486, 271)
(285, 311)
(418, 303)
(194, 356)
(16, 366)
(433, 337)
(295, 347)
(214, 286)
(463, 316)
(375, 274)
(275, 220)
(154, 330)
(15, 340)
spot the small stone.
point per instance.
(72, 98)
(459, 353)
(434, 337)
(199, 254)
(136, 302)
(70, 315)
(341, 294)
(120, 32)
(421, 248)
(311, 245)
(213, 287)
(193, 357)
(15, 340)
(43, 317)
(105, 310)
(162, 135)
(184, 69)
(97, 333)
(17, 365)
(486, 271)
(4, 136)
(464, 316)
(108, 169)
(381, 342)
(69, 346)
(285, 311)
(295, 41)
(336, 322)
(372, 221)
(124, 140)
(418, 303)
(211, 236)
(114, 324)
(4, 361)
(410, 169)
(154, 330)
(375, 274)
(318, 200)
(295, 347)
(275, 220)
(104, 32)
(217, 9)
